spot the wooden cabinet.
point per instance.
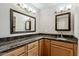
(26, 50)
(22, 54)
(44, 47)
(49, 47)
(30, 49)
(32, 45)
(33, 49)
(15, 52)
(63, 44)
(33, 52)
(60, 51)
(41, 47)
(59, 48)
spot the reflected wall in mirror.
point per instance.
(21, 23)
(62, 22)
(28, 25)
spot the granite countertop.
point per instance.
(4, 46)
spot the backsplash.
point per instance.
(33, 35)
(16, 37)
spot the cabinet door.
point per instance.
(33, 52)
(32, 45)
(60, 51)
(64, 44)
(44, 47)
(22, 54)
(41, 47)
(46, 51)
(26, 50)
(75, 49)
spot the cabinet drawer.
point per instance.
(32, 45)
(64, 44)
(15, 52)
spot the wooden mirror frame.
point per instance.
(69, 21)
(11, 22)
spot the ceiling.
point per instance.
(47, 5)
(43, 5)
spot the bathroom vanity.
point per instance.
(40, 45)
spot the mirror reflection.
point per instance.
(62, 22)
(22, 22)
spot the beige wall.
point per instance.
(47, 22)
(5, 19)
(76, 22)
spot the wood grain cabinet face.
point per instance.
(26, 50)
(16, 52)
(60, 51)
(36, 52)
(22, 54)
(41, 47)
(44, 47)
(49, 47)
(32, 45)
(33, 49)
(64, 44)
(33, 52)
(59, 48)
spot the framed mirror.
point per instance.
(63, 22)
(21, 23)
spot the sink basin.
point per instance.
(62, 38)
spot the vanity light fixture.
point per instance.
(27, 8)
(63, 8)
(68, 7)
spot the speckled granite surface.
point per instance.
(6, 45)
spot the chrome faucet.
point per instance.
(61, 35)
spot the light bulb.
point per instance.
(68, 7)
